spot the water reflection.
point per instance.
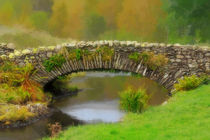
(94, 112)
(96, 102)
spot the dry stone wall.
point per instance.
(183, 59)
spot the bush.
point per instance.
(14, 113)
(53, 62)
(153, 61)
(16, 86)
(134, 100)
(150, 59)
(13, 95)
(106, 53)
(75, 54)
(188, 83)
(134, 56)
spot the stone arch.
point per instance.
(184, 60)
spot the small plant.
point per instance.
(106, 53)
(134, 56)
(55, 129)
(136, 75)
(134, 100)
(188, 83)
(53, 62)
(75, 54)
(150, 59)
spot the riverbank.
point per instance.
(185, 116)
(33, 112)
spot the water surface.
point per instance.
(98, 101)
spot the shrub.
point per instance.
(145, 56)
(150, 59)
(134, 100)
(134, 56)
(55, 129)
(53, 62)
(13, 94)
(14, 113)
(16, 86)
(188, 83)
(106, 53)
(75, 54)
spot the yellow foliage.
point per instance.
(12, 113)
(109, 9)
(67, 17)
(140, 17)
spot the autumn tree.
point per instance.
(15, 11)
(109, 9)
(67, 18)
(94, 26)
(140, 17)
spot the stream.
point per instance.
(97, 101)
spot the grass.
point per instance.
(12, 113)
(132, 100)
(16, 90)
(185, 116)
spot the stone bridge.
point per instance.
(183, 59)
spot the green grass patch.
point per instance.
(132, 100)
(53, 62)
(185, 116)
(189, 82)
(153, 61)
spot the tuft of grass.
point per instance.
(185, 116)
(106, 52)
(153, 61)
(134, 56)
(188, 83)
(134, 100)
(53, 62)
(75, 54)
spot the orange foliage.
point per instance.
(140, 17)
(109, 9)
(66, 19)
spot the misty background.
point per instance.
(48, 22)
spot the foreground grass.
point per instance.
(186, 116)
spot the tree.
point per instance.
(67, 18)
(94, 26)
(109, 9)
(58, 19)
(140, 17)
(39, 20)
(14, 11)
(188, 20)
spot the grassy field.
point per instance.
(185, 116)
